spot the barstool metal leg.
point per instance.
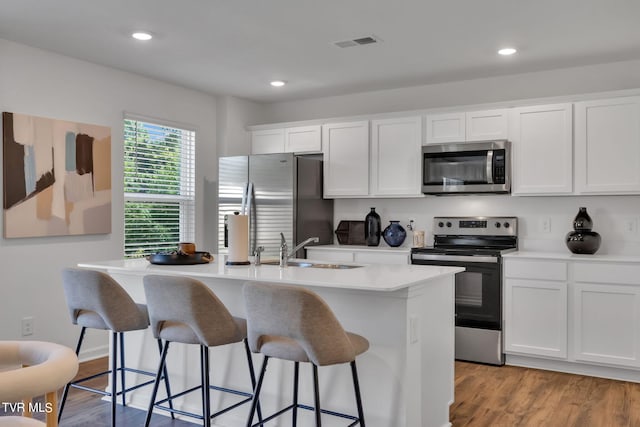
(166, 380)
(66, 387)
(296, 372)
(122, 372)
(161, 368)
(256, 392)
(114, 377)
(356, 386)
(252, 375)
(206, 403)
(316, 395)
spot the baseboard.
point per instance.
(612, 373)
(93, 353)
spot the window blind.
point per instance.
(159, 187)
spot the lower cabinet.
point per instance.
(536, 317)
(586, 313)
(535, 307)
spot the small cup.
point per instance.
(418, 239)
(187, 248)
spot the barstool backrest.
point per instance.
(299, 314)
(192, 303)
(49, 367)
(95, 291)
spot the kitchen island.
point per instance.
(405, 311)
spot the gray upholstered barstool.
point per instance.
(96, 300)
(185, 310)
(296, 324)
(33, 368)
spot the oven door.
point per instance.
(478, 293)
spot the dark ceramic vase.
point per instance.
(394, 234)
(583, 240)
(372, 228)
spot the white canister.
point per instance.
(418, 239)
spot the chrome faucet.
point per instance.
(256, 255)
(284, 256)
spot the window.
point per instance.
(159, 181)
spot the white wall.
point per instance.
(611, 214)
(44, 84)
(568, 81)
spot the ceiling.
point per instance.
(237, 47)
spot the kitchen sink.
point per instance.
(305, 264)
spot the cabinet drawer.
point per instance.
(535, 269)
(624, 274)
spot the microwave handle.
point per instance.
(490, 167)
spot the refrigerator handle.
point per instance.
(243, 206)
(251, 206)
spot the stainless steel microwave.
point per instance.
(466, 167)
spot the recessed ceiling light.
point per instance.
(507, 51)
(278, 83)
(140, 35)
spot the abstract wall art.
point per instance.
(56, 176)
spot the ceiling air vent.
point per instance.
(358, 42)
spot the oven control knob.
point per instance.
(448, 224)
(507, 225)
(498, 225)
(441, 224)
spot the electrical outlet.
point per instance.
(27, 326)
(631, 225)
(545, 224)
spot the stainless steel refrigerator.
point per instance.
(281, 193)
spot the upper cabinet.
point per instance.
(267, 141)
(607, 146)
(303, 139)
(445, 128)
(396, 147)
(542, 155)
(346, 159)
(300, 139)
(471, 126)
(387, 166)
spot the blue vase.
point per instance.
(372, 228)
(394, 234)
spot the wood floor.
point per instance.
(485, 396)
(512, 396)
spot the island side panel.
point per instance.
(404, 382)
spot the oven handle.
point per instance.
(463, 258)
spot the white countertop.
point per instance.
(568, 256)
(372, 277)
(377, 249)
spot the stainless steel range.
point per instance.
(476, 243)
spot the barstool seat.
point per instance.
(185, 310)
(96, 301)
(293, 323)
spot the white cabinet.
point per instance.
(445, 128)
(298, 139)
(606, 313)
(359, 255)
(607, 146)
(606, 322)
(470, 126)
(542, 149)
(346, 159)
(395, 156)
(303, 139)
(486, 125)
(267, 141)
(536, 308)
